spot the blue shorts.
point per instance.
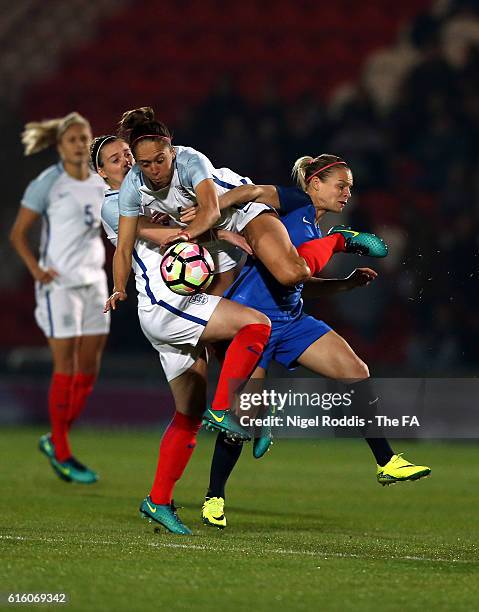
(289, 339)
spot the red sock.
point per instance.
(176, 448)
(59, 399)
(81, 388)
(318, 252)
(241, 358)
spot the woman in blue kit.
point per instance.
(324, 185)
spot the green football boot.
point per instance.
(213, 512)
(71, 470)
(263, 438)
(224, 420)
(262, 444)
(361, 243)
(45, 445)
(165, 515)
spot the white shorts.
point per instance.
(175, 333)
(236, 218)
(69, 312)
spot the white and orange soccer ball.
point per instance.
(187, 268)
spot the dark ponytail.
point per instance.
(140, 123)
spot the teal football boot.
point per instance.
(224, 420)
(45, 445)
(263, 439)
(165, 515)
(262, 444)
(71, 470)
(361, 243)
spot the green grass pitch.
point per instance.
(309, 528)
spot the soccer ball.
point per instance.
(187, 268)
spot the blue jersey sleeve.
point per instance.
(292, 198)
(193, 167)
(36, 196)
(129, 200)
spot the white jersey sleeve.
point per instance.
(130, 197)
(36, 196)
(110, 215)
(193, 167)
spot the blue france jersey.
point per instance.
(255, 286)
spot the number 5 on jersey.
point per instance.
(89, 218)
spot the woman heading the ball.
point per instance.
(178, 327)
(70, 283)
(324, 185)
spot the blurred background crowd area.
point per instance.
(392, 87)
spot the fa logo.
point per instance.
(200, 299)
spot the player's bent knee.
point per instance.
(262, 319)
(291, 276)
(361, 370)
(352, 369)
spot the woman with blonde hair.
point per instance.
(70, 282)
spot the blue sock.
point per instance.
(225, 457)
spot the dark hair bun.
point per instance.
(136, 117)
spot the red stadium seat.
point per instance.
(311, 47)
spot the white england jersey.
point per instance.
(190, 168)
(145, 263)
(172, 323)
(147, 257)
(71, 240)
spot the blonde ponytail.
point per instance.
(38, 135)
(299, 170)
(307, 167)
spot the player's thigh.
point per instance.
(228, 318)
(63, 352)
(189, 388)
(89, 353)
(271, 243)
(331, 356)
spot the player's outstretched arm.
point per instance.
(150, 230)
(267, 194)
(318, 287)
(236, 239)
(127, 229)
